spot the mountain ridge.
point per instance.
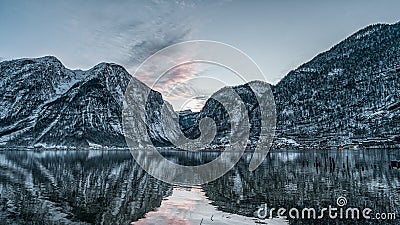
(354, 79)
(47, 105)
(348, 95)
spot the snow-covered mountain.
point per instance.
(45, 104)
(348, 94)
(214, 109)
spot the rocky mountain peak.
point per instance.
(346, 95)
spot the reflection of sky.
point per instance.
(190, 206)
(278, 35)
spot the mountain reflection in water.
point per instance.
(108, 187)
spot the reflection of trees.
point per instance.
(62, 187)
(309, 179)
(108, 187)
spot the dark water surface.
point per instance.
(108, 187)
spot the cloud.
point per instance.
(201, 98)
(157, 40)
(85, 33)
(162, 23)
(125, 32)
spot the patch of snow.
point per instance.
(307, 70)
(336, 71)
(48, 128)
(287, 141)
(94, 145)
(366, 33)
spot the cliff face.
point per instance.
(45, 104)
(215, 110)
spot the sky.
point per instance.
(278, 35)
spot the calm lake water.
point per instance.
(108, 187)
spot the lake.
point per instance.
(108, 187)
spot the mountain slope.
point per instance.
(215, 110)
(347, 94)
(45, 104)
